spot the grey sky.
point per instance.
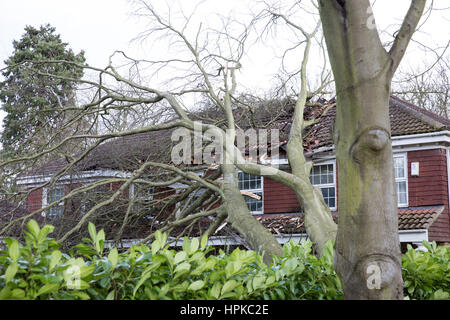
(102, 26)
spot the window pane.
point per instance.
(316, 170)
(401, 193)
(330, 178)
(55, 195)
(332, 193)
(258, 183)
(399, 167)
(322, 174)
(332, 203)
(329, 196)
(316, 179)
(253, 204)
(401, 186)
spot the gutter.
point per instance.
(422, 138)
(37, 179)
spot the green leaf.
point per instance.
(441, 295)
(47, 229)
(183, 267)
(5, 293)
(83, 285)
(34, 229)
(270, 280)
(180, 256)
(11, 271)
(164, 289)
(232, 268)
(110, 296)
(86, 271)
(204, 241)
(82, 295)
(427, 245)
(228, 286)
(100, 241)
(215, 290)
(113, 257)
(92, 232)
(258, 282)
(48, 288)
(186, 245)
(156, 245)
(18, 294)
(194, 245)
(161, 238)
(13, 250)
(54, 259)
(196, 285)
(145, 276)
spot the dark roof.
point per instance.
(286, 223)
(123, 153)
(418, 217)
(407, 118)
(127, 152)
(408, 219)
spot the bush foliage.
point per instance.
(39, 270)
(426, 274)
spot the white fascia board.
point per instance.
(79, 177)
(431, 138)
(416, 235)
(212, 241)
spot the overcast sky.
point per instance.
(102, 26)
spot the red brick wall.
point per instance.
(279, 198)
(431, 188)
(34, 200)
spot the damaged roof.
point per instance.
(127, 152)
(409, 218)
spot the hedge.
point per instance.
(40, 270)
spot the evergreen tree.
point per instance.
(32, 94)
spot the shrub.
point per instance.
(426, 274)
(39, 270)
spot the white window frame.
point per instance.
(260, 190)
(328, 185)
(45, 203)
(132, 191)
(404, 179)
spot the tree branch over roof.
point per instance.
(405, 33)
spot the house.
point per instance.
(421, 148)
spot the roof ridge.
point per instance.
(427, 116)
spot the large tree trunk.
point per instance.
(254, 233)
(367, 256)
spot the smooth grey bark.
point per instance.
(319, 223)
(255, 234)
(367, 255)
